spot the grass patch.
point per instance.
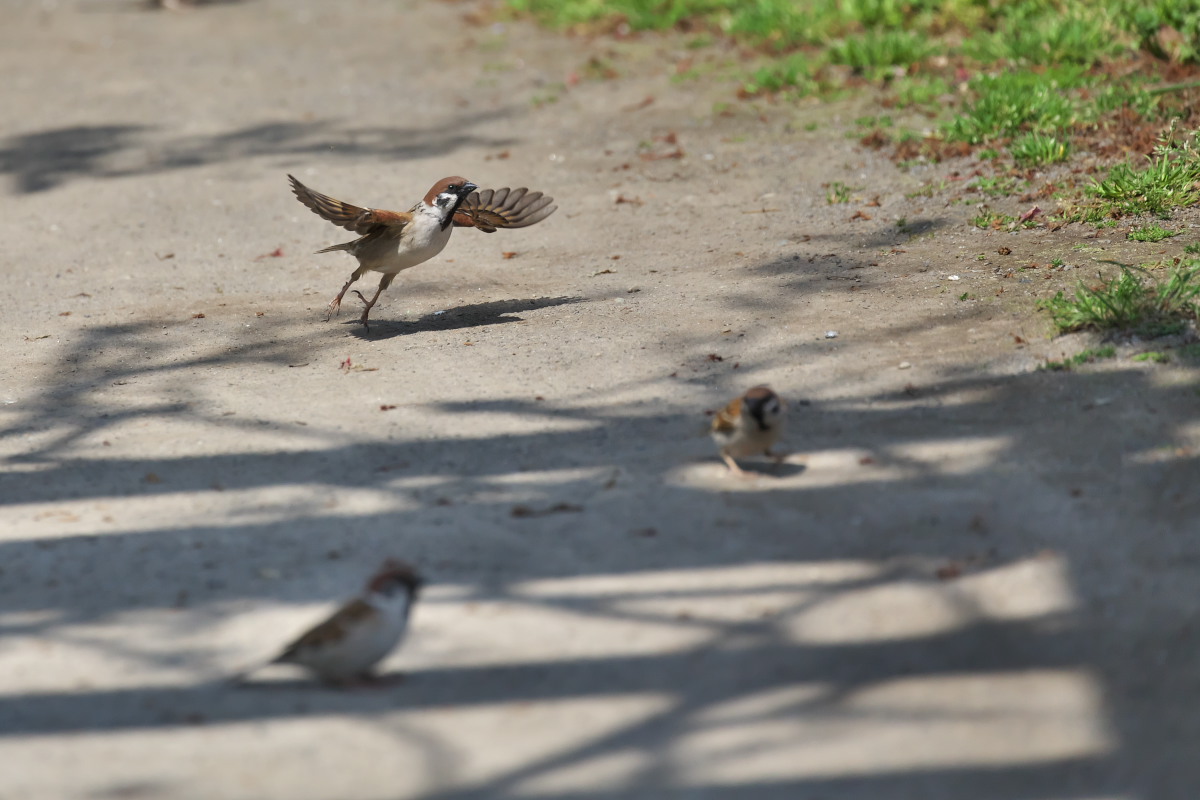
(1010, 103)
(1132, 301)
(838, 192)
(1039, 149)
(1170, 180)
(1083, 357)
(991, 220)
(1034, 80)
(1153, 356)
(877, 53)
(1151, 233)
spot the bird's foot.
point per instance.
(366, 311)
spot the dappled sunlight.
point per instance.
(905, 725)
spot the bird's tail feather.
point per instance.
(336, 247)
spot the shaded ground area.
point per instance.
(970, 579)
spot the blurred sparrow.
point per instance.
(345, 647)
(749, 426)
(392, 241)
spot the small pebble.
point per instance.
(831, 334)
(904, 365)
(952, 278)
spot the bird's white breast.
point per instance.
(421, 240)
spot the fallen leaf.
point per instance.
(276, 253)
(386, 408)
(508, 254)
(198, 315)
(676, 153)
(860, 215)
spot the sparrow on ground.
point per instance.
(344, 648)
(749, 426)
(392, 241)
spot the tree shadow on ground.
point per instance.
(993, 496)
(47, 159)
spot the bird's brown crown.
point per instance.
(443, 185)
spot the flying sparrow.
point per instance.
(345, 647)
(392, 241)
(749, 426)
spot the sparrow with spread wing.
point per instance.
(349, 643)
(393, 241)
(750, 425)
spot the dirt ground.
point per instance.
(971, 579)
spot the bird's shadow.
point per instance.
(764, 469)
(472, 315)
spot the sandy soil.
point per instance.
(970, 579)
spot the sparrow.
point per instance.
(344, 648)
(749, 426)
(393, 241)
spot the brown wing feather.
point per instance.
(726, 419)
(331, 631)
(489, 209)
(351, 217)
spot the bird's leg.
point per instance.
(733, 467)
(384, 282)
(335, 305)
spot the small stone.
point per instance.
(904, 365)
(831, 334)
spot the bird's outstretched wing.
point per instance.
(489, 209)
(353, 218)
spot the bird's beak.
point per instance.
(469, 187)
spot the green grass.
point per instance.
(1048, 33)
(1039, 149)
(991, 220)
(1171, 179)
(1009, 103)
(876, 53)
(1084, 357)
(1153, 357)
(1133, 301)
(838, 192)
(1044, 79)
(1151, 233)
